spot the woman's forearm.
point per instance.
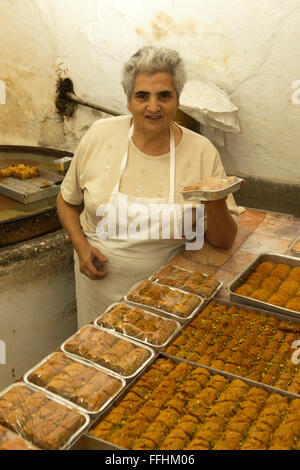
(221, 227)
(69, 218)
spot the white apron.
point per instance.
(129, 260)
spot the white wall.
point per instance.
(248, 47)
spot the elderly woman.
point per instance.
(129, 162)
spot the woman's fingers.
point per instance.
(91, 263)
(98, 255)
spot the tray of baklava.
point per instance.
(110, 350)
(31, 419)
(166, 300)
(177, 405)
(246, 342)
(138, 324)
(89, 387)
(194, 282)
(271, 282)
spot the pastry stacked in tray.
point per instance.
(194, 282)
(81, 384)
(37, 418)
(139, 324)
(274, 283)
(179, 406)
(108, 350)
(173, 301)
(11, 441)
(242, 342)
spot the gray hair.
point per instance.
(150, 59)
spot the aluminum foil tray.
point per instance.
(164, 312)
(209, 195)
(122, 383)
(243, 276)
(103, 364)
(99, 321)
(73, 435)
(155, 279)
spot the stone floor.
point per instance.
(259, 232)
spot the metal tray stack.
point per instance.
(241, 278)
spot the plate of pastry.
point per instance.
(211, 189)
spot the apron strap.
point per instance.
(172, 168)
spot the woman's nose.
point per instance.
(153, 104)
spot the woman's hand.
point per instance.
(91, 261)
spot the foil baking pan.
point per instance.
(74, 436)
(243, 276)
(69, 402)
(116, 335)
(198, 195)
(46, 185)
(95, 443)
(166, 314)
(253, 382)
(220, 283)
(155, 347)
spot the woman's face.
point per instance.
(153, 102)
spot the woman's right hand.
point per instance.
(90, 259)
(91, 262)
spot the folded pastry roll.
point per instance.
(294, 274)
(294, 304)
(13, 399)
(271, 283)
(261, 294)
(52, 367)
(245, 289)
(281, 271)
(265, 268)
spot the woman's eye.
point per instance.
(141, 96)
(165, 94)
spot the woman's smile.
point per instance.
(153, 103)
